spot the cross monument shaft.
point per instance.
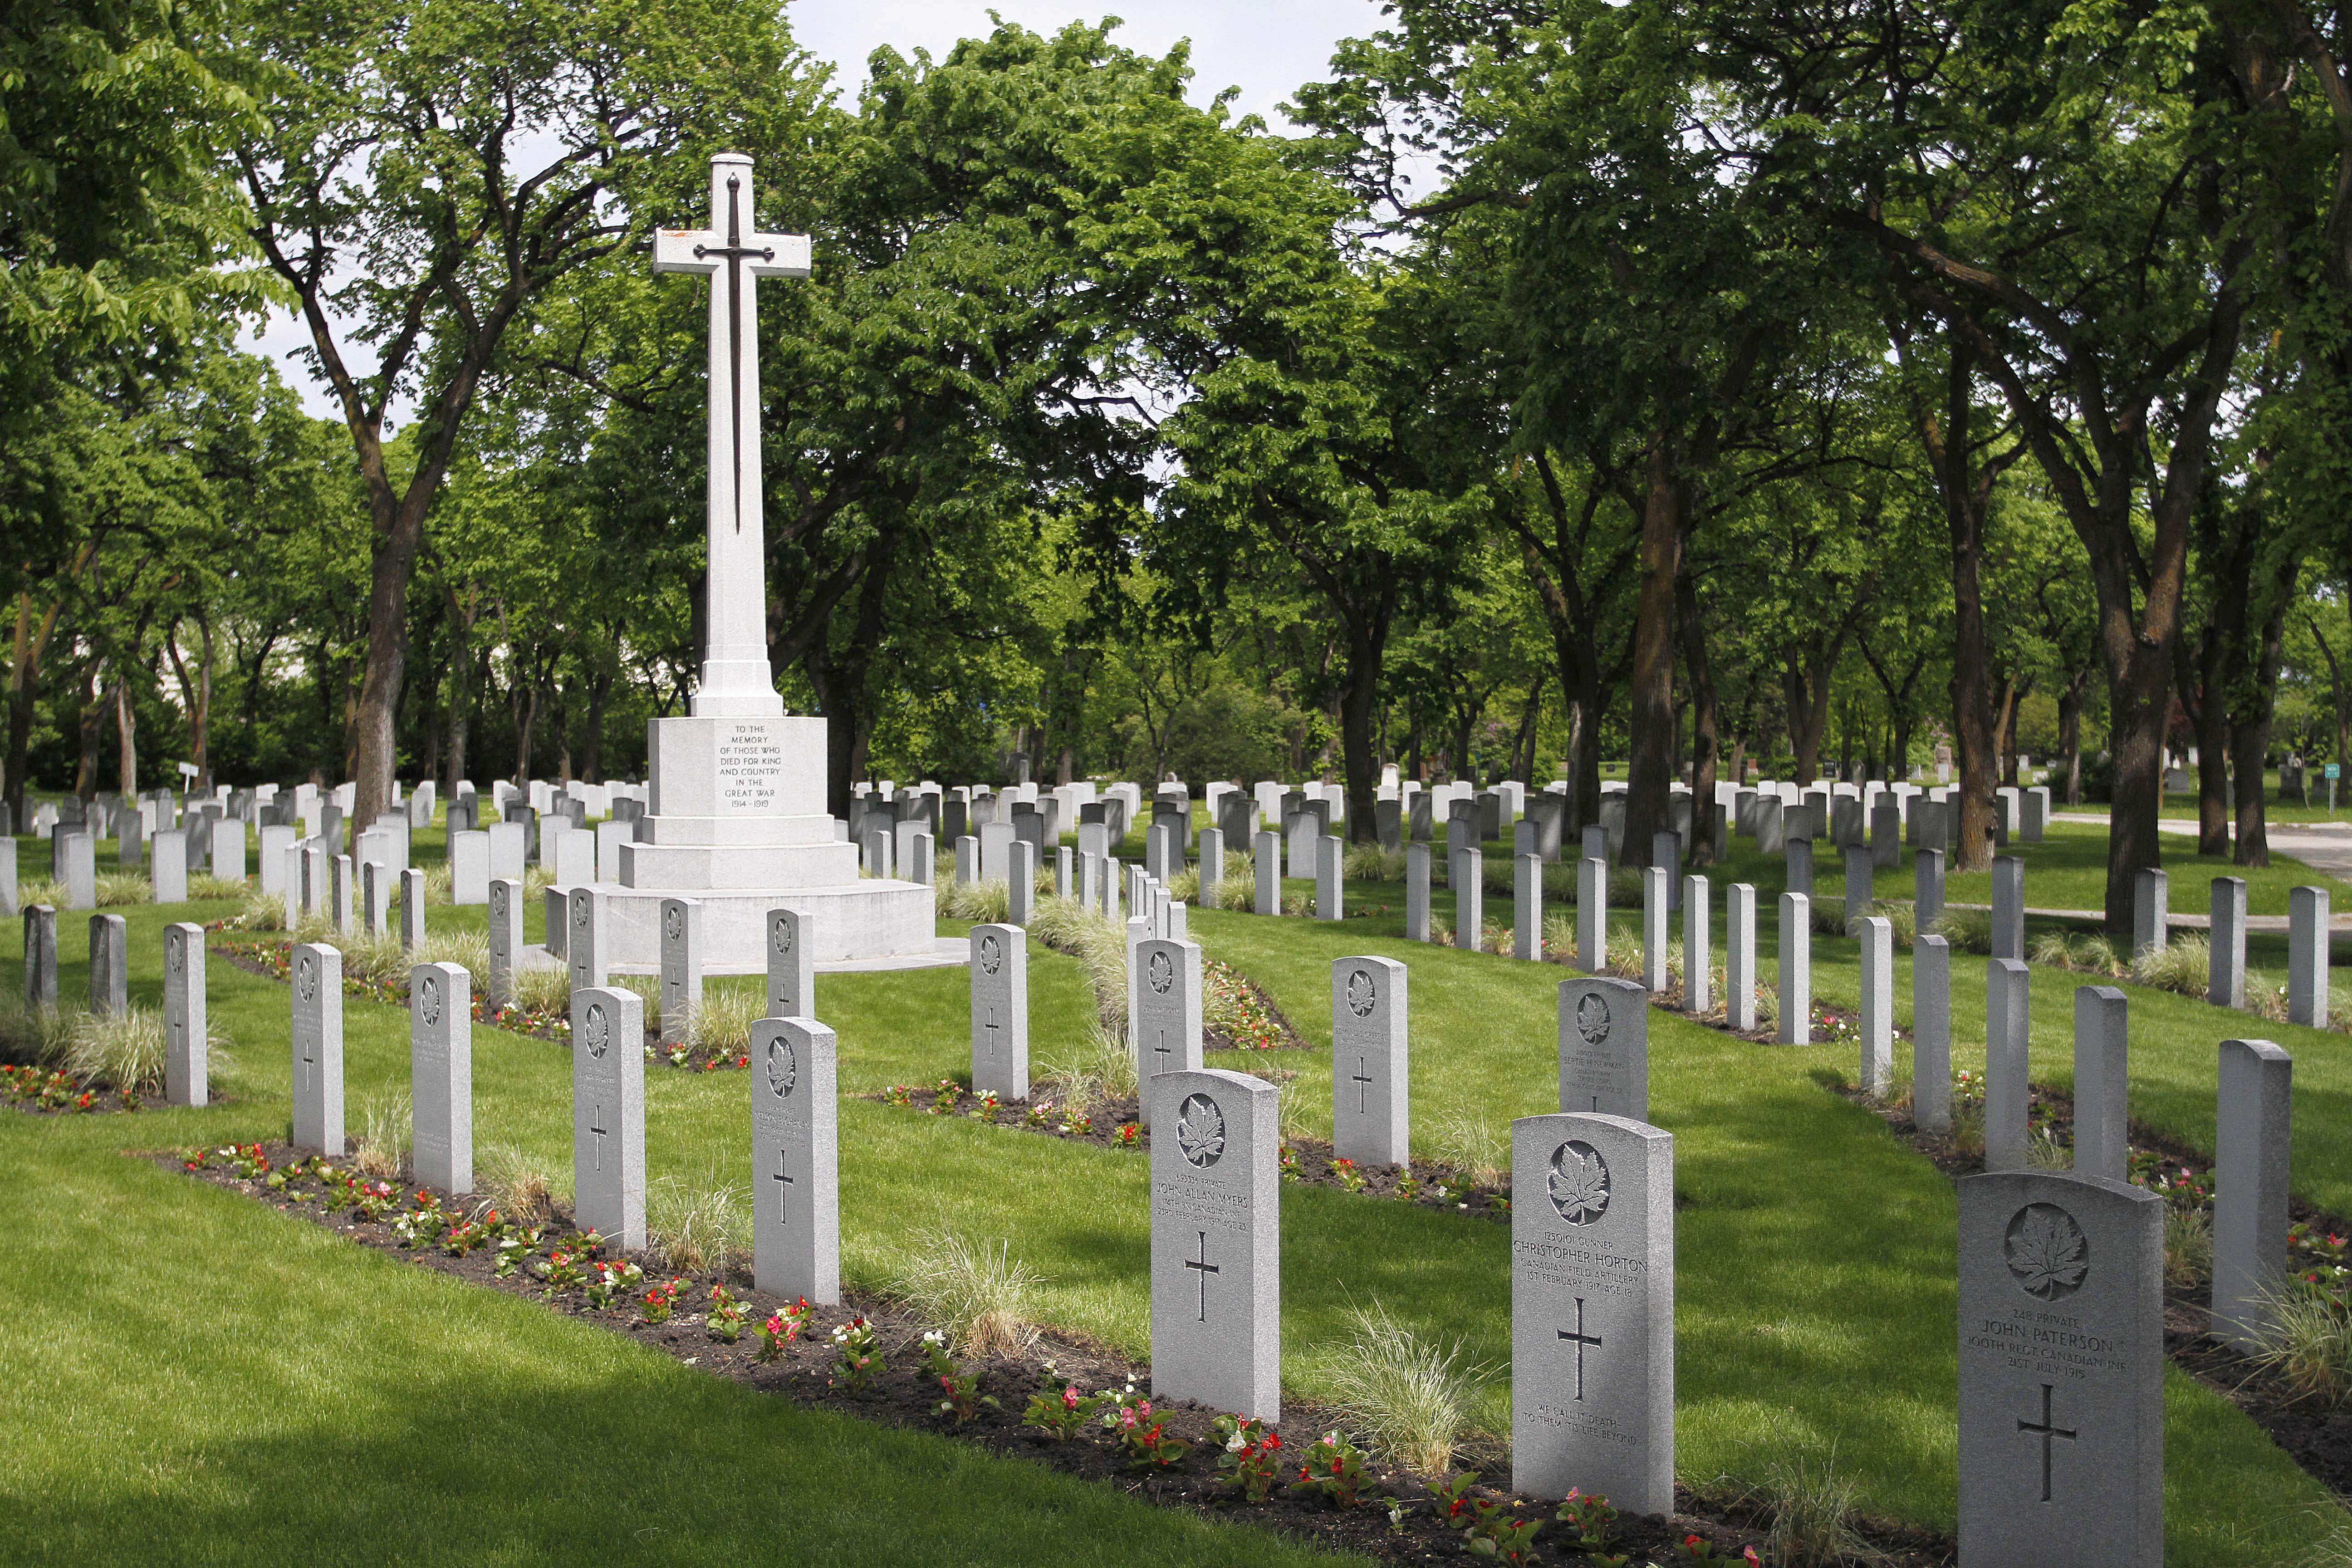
(736, 678)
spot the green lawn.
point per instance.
(1816, 1303)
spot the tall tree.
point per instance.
(433, 169)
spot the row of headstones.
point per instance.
(186, 1071)
(1592, 1348)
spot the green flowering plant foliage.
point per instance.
(782, 1327)
(1057, 1408)
(958, 1387)
(1248, 1461)
(1333, 1469)
(1129, 1417)
(857, 1354)
(726, 1316)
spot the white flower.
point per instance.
(1233, 1444)
(933, 1337)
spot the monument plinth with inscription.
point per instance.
(737, 816)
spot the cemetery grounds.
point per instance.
(194, 1377)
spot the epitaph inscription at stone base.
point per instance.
(796, 1184)
(1604, 1048)
(2062, 1372)
(1592, 1310)
(1216, 1286)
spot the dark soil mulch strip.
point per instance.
(2312, 1434)
(531, 1026)
(1311, 1159)
(904, 1395)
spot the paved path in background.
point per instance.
(2324, 846)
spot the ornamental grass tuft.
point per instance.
(124, 1051)
(525, 1191)
(203, 885)
(34, 1037)
(723, 1022)
(262, 912)
(979, 1296)
(2182, 965)
(386, 1123)
(698, 1226)
(1811, 1509)
(544, 991)
(1468, 1142)
(2306, 1341)
(2187, 1245)
(1407, 1396)
(117, 889)
(1968, 931)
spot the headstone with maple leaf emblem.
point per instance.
(795, 1160)
(1163, 1007)
(441, 1069)
(1592, 1310)
(1371, 1113)
(1000, 1011)
(1604, 1048)
(2062, 1372)
(608, 1114)
(1216, 1268)
(505, 896)
(1926, 888)
(1796, 855)
(2253, 1124)
(316, 971)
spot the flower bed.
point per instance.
(1237, 1015)
(1063, 1403)
(47, 1091)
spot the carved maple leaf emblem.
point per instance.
(1201, 1131)
(1579, 1183)
(2047, 1251)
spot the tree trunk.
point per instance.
(2070, 732)
(126, 730)
(1358, 698)
(2211, 718)
(2250, 723)
(592, 740)
(1705, 742)
(93, 714)
(1651, 725)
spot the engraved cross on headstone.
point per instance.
(992, 1033)
(736, 680)
(782, 1181)
(1581, 1339)
(2046, 1430)
(1162, 1051)
(1204, 1269)
(596, 1125)
(1364, 1084)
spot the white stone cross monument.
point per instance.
(736, 816)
